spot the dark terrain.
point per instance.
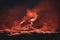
(33, 36)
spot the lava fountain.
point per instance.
(41, 19)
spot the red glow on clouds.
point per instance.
(25, 25)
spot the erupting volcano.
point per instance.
(42, 18)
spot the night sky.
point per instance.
(10, 4)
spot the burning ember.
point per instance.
(35, 20)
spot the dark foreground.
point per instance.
(33, 36)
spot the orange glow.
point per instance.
(25, 25)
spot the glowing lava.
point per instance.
(26, 24)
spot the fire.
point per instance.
(26, 24)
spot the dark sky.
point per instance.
(9, 4)
(12, 3)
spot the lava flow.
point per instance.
(40, 19)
